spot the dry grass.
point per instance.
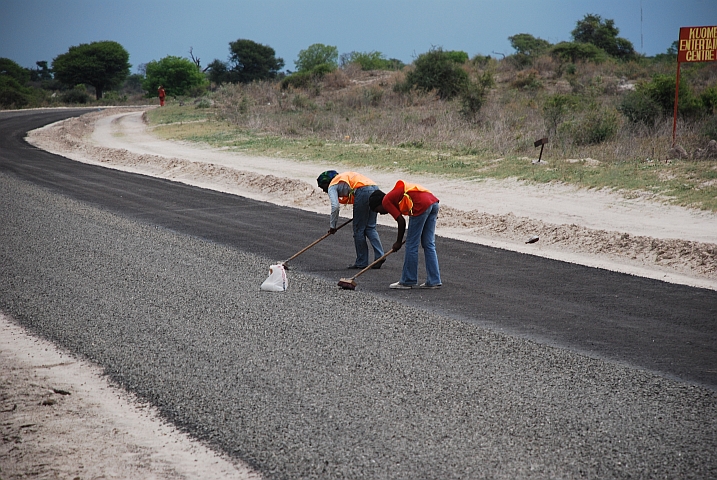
(357, 118)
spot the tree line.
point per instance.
(105, 67)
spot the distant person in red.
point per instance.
(160, 92)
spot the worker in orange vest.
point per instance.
(351, 188)
(421, 206)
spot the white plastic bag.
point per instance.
(277, 281)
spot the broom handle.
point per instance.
(375, 262)
(316, 241)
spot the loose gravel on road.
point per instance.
(319, 382)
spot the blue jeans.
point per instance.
(421, 229)
(365, 227)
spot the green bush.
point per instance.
(529, 46)
(528, 80)
(12, 94)
(593, 30)
(76, 95)
(297, 80)
(179, 76)
(574, 52)
(520, 60)
(556, 108)
(114, 97)
(709, 100)
(305, 79)
(599, 125)
(481, 61)
(472, 99)
(436, 70)
(316, 55)
(473, 96)
(457, 56)
(638, 107)
(371, 61)
(661, 89)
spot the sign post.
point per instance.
(541, 143)
(697, 44)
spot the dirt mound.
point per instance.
(680, 255)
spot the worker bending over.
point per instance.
(422, 207)
(354, 189)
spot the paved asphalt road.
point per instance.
(661, 327)
(612, 332)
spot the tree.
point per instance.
(219, 72)
(13, 70)
(526, 44)
(673, 49)
(13, 77)
(133, 84)
(603, 34)
(41, 73)
(178, 76)
(670, 55)
(252, 61)
(317, 54)
(103, 65)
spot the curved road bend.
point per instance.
(661, 327)
(324, 383)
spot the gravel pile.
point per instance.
(319, 382)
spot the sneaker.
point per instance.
(433, 287)
(356, 267)
(400, 286)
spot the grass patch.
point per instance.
(178, 114)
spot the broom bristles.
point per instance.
(347, 284)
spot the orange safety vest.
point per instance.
(406, 203)
(354, 180)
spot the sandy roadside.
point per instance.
(60, 418)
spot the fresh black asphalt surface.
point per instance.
(519, 367)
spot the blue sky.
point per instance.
(32, 30)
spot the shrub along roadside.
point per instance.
(427, 135)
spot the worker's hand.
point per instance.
(333, 230)
(397, 246)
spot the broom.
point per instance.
(284, 263)
(350, 283)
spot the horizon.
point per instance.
(40, 30)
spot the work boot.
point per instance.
(378, 265)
